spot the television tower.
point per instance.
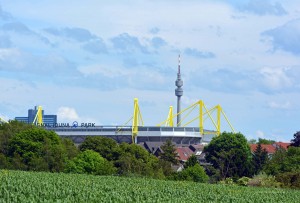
(178, 92)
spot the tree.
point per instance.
(8, 130)
(284, 161)
(70, 149)
(192, 161)
(252, 141)
(4, 162)
(265, 141)
(169, 153)
(230, 154)
(194, 173)
(136, 160)
(90, 162)
(37, 147)
(259, 159)
(106, 147)
(296, 141)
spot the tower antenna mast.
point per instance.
(178, 92)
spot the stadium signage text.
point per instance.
(75, 124)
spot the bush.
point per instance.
(37, 149)
(289, 179)
(263, 180)
(227, 181)
(4, 162)
(90, 162)
(243, 181)
(193, 173)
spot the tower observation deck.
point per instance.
(178, 92)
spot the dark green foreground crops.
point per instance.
(17, 186)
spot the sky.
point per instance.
(88, 60)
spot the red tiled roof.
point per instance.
(270, 148)
(184, 153)
(283, 145)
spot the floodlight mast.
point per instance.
(178, 92)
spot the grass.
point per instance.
(19, 186)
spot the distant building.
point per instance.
(50, 120)
(270, 148)
(183, 151)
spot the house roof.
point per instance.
(198, 147)
(152, 146)
(283, 145)
(184, 153)
(270, 148)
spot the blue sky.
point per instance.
(86, 61)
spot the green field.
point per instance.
(18, 186)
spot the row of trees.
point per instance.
(231, 157)
(26, 147)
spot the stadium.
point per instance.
(180, 133)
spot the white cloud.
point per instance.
(285, 37)
(260, 134)
(278, 105)
(67, 113)
(276, 78)
(187, 101)
(102, 70)
(9, 54)
(264, 8)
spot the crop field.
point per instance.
(18, 186)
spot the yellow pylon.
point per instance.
(203, 111)
(3, 121)
(136, 120)
(38, 119)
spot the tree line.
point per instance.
(233, 162)
(31, 148)
(228, 157)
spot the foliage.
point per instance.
(230, 154)
(283, 161)
(264, 180)
(252, 141)
(4, 162)
(243, 181)
(128, 158)
(37, 149)
(106, 147)
(166, 168)
(18, 186)
(70, 149)
(265, 141)
(289, 179)
(259, 159)
(136, 160)
(227, 181)
(194, 173)
(192, 161)
(8, 130)
(213, 173)
(296, 141)
(169, 153)
(90, 162)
